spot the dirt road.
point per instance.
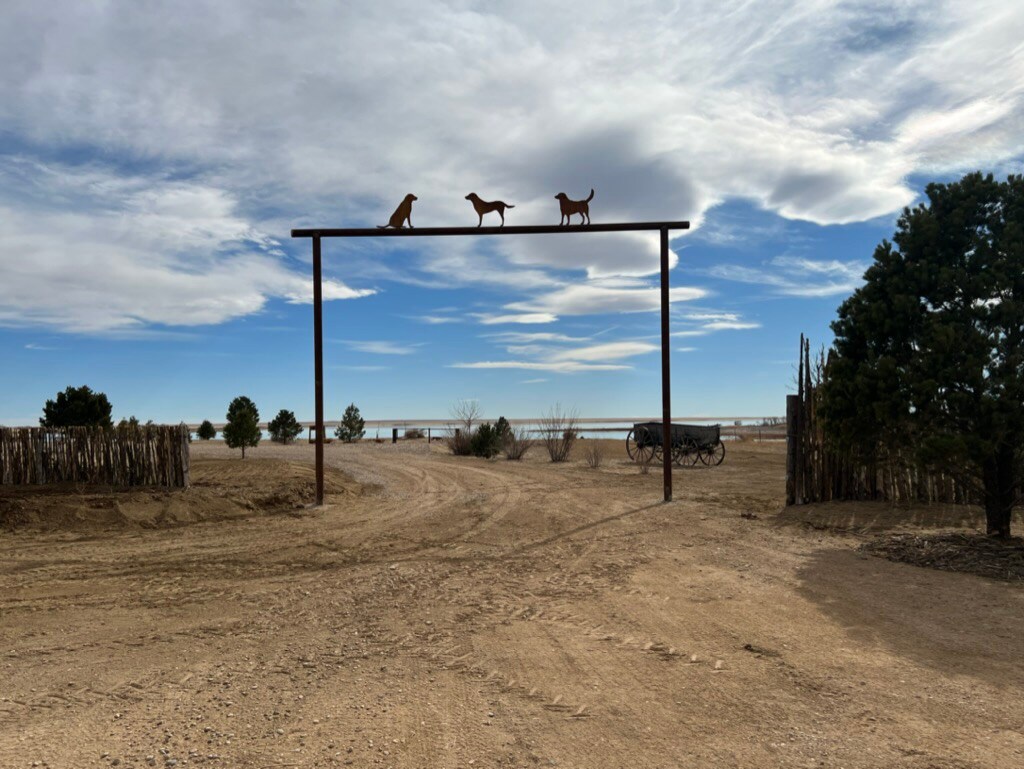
(449, 612)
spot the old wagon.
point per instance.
(689, 444)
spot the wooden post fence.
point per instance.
(154, 455)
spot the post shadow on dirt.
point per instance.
(959, 624)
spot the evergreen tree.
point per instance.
(206, 430)
(929, 353)
(352, 424)
(243, 424)
(284, 427)
(486, 441)
(127, 422)
(502, 427)
(77, 407)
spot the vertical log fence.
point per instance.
(817, 471)
(153, 455)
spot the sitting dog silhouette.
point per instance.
(485, 207)
(402, 214)
(570, 207)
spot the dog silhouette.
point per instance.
(402, 214)
(570, 207)
(485, 207)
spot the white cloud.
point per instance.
(813, 110)
(561, 367)
(607, 351)
(100, 253)
(702, 323)
(379, 347)
(798, 276)
(588, 299)
(527, 318)
(520, 337)
(533, 381)
(437, 320)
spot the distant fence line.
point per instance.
(154, 455)
(816, 471)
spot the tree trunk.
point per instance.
(1000, 478)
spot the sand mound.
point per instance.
(221, 488)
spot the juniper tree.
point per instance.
(206, 430)
(77, 407)
(929, 352)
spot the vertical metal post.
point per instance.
(666, 378)
(318, 354)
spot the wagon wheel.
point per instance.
(640, 445)
(684, 453)
(713, 455)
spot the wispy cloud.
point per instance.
(798, 276)
(533, 381)
(524, 337)
(147, 252)
(704, 323)
(436, 320)
(41, 347)
(380, 346)
(590, 299)
(526, 318)
(562, 367)
(569, 360)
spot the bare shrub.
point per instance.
(459, 435)
(593, 453)
(414, 433)
(558, 430)
(517, 442)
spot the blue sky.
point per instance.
(153, 161)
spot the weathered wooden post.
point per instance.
(792, 448)
(394, 435)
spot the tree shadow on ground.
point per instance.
(881, 516)
(957, 623)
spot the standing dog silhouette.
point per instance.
(402, 214)
(485, 207)
(570, 207)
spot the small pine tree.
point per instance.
(206, 430)
(352, 424)
(486, 442)
(284, 427)
(502, 427)
(243, 424)
(128, 422)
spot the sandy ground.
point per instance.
(454, 612)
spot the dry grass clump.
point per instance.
(517, 442)
(593, 453)
(558, 431)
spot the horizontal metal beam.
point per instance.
(534, 229)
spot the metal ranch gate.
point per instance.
(317, 235)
